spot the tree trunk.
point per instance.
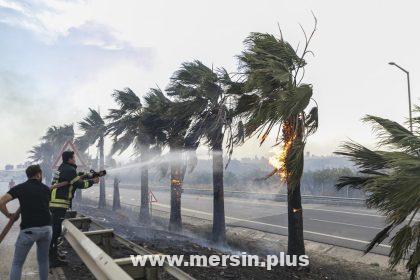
(219, 229)
(294, 153)
(116, 203)
(144, 216)
(102, 196)
(175, 220)
(295, 245)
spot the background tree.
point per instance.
(43, 155)
(128, 127)
(272, 95)
(204, 99)
(116, 202)
(47, 151)
(94, 130)
(167, 115)
(58, 135)
(391, 180)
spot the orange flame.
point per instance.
(176, 182)
(278, 160)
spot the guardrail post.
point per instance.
(151, 272)
(106, 243)
(82, 223)
(136, 272)
(102, 238)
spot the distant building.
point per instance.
(9, 167)
(23, 165)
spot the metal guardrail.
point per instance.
(267, 196)
(172, 270)
(99, 263)
(94, 248)
(280, 197)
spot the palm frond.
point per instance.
(93, 127)
(391, 180)
(393, 134)
(379, 238)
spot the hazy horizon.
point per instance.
(61, 57)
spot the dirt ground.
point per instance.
(160, 240)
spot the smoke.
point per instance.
(24, 114)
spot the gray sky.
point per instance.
(60, 57)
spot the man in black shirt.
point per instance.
(35, 227)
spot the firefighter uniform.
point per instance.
(61, 200)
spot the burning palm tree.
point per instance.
(273, 95)
(391, 180)
(203, 95)
(165, 114)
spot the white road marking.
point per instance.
(305, 208)
(276, 204)
(344, 212)
(354, 225)
(277, 226)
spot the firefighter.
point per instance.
(61, 199)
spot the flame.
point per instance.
(278, 160)
(176, 186)
(176, 182)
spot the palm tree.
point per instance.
(272, 95)
(129, 128)
(47, 151)
(94, 130)
(58, 135)
(204, 99)
(165, 114)
(43, 154)
(391, 180)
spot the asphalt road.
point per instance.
(348, 227)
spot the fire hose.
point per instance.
(15, 217)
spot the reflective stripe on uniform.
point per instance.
(54, 199)
(59, 205)
(86, 185)
(58, 200)
(70, 195)
(77, 178)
